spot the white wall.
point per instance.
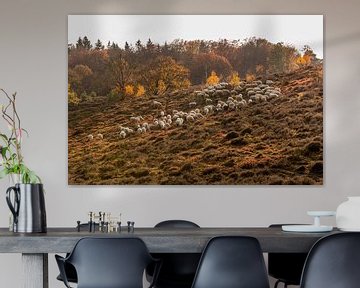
(33, 62)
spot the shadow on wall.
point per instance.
(343, 39)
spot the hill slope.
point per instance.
(277, 140)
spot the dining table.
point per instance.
(35, 247)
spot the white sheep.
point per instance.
(230, 99)
(128, 130)
(100, 136)
(211, 107)
(122, 134)
(179, 121)
(162, 124)
(192, 104)
(273, 95)
(242, 103)
(190, 118)
(263, 98)
(238, 97)
(208, 108)
(146, 126)
(90, 137)
(162, 113)
(136, 118)
(231, 105)
(157, 104)
(139, 130)
(199, 115)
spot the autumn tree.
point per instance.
(249, 77)
(78, 78)
(213, 79)
(129, 90)
(164, 74)
(72, 97)
(277, 58)
(259, 69)
(140, 90)
(162, 67)
(120, 70)
(202, 64)
(307, 58)
(234, 79)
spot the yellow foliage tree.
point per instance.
(250, 77)
(234, 79)
(140, 90)
(72, 96)
(307, 59)
(161, 87)
(213, 79)
(164, 74)
(303, 60)
(129, 90)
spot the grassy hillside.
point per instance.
(277, 141)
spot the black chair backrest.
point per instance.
(178, 269)
(176, 224)
(110, 262)
(232, 262)
(333, 262)
(286, 266)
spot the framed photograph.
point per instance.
(195, 99)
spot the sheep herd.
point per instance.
(212, 99)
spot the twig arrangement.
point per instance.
(12, 160)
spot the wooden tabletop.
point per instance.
(158, 240)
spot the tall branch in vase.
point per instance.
(12, 160)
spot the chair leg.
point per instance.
(278, 282)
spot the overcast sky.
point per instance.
(298, 30)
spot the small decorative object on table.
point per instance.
(348, 215)
(27, 204)
(316, 227)
(102, 222)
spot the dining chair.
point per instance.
(70, 271)
(178, 269)
(333, 262)
(108, 263)
(232, 262)
(286, 267)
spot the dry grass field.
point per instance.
(274, 142)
